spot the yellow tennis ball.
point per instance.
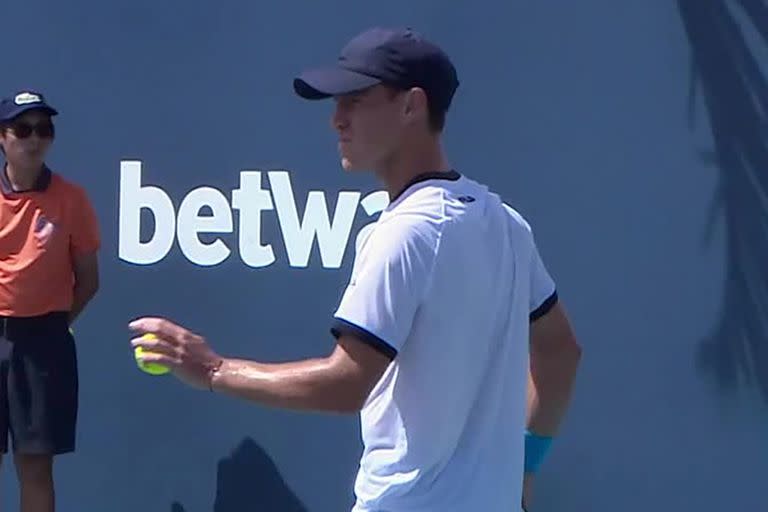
(150, 368)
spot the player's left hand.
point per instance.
(187, 354)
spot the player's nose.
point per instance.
(339, 119)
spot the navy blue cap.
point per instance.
(21, 102)
(400, 58)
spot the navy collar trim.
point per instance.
(40, 185)
(451, 175)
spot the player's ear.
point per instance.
(415, 105)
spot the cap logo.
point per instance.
(26, 98)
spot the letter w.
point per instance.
(298, 236)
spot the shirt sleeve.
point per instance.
(85, 237)
(543, 290)
(391, 275)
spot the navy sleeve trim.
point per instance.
(340, 327)
(545, 307)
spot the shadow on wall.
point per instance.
(248, 481)
(726, 71)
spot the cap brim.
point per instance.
(324, 83)
(28, 108)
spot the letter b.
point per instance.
(134, 197)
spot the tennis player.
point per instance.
(433, 330)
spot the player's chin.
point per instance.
(348, 165)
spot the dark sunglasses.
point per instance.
(44, 130)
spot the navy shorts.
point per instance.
(38, 385)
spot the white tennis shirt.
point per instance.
(446, 283)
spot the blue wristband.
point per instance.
(536, 448)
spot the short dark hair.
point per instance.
(436, 115)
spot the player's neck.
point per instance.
(411, 162)
(23, 177)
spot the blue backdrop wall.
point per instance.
(631, 134)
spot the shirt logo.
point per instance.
(44, 229)
(466, 199)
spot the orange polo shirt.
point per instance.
(42, 231)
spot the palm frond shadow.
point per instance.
(248, 481)
(734, 89)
